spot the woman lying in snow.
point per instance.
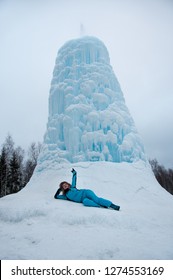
(87, 197)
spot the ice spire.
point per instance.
(88, 118)
(82, 30)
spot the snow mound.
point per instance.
(33, 225)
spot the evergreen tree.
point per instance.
(29, 169)
(9, 147)
(3, 173)
(20, 153)
(15, 174)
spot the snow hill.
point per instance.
(33, 225)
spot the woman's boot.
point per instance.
(115, 207)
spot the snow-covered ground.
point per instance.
(33, 225)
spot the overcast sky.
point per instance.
(139, 37)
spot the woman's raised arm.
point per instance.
(74, 178)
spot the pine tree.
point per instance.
(9, 147)
(3, 173)
(15, 174)
(20, 158)
(29, 169)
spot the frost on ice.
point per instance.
(88, 119)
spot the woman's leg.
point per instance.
(90, 203)
(98, 200)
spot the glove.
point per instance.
(73, 171)
(57, 193)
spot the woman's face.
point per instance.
(66, 186)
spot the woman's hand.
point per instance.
(73, 171)
(57, 193)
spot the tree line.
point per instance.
(164, 176)
(16, 167)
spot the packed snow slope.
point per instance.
(34, 225)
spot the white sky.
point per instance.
(139, 37)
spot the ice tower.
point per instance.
(88, 118)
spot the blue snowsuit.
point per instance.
(85, 196)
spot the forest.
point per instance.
(16, 166)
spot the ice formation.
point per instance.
(88, 118)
